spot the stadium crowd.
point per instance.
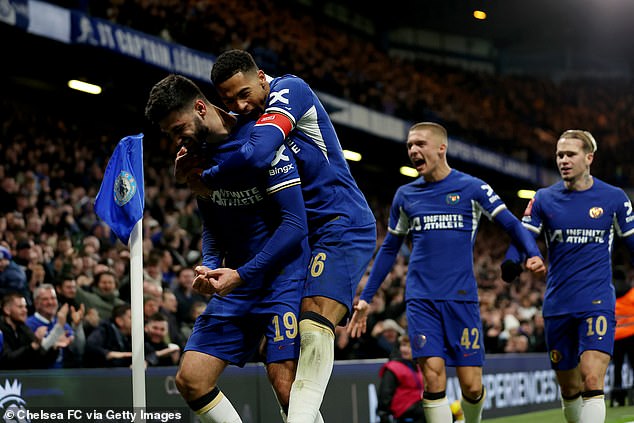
(51, 168)
(517, 115)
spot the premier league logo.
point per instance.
(12, 405)
(124, 188)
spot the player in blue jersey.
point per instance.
(579, 217)
(255, 224)
(441, 213)
(341, 225)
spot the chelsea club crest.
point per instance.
(124, 188)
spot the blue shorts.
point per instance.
(237, 338)
(448, 329)
(340, 258)
(568, 336)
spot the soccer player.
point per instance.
(255, 224)
(579, 217)
(441, 212)
(341, 225)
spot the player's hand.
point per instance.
(536, 265)
(202, 282)
(510, 270)
(225, 280)
(185, 162)
(357, 325)
(196, 184)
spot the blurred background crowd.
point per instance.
(55, 251)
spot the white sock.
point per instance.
(593, 410)
(219, 410)
(572, 409)
(473, 412)
(316, 359)
(437, 411)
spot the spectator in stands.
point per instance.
(169, 308)
(156, 333)
(151, 306)
(400, 396)
(66, 290)
(386, 334)
(104, 296)
(186, 295)
(110, 344)
(12, 276)
(64, 326)
(22, 348)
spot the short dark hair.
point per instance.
(231, 62)
(120, 310)
(157, 317)
(172, 93)
(9, 297)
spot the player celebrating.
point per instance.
(578, 216)
(441, 212)
(256, 224)
(341, 226)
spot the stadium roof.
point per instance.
(586, 35)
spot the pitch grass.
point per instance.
(614, 415)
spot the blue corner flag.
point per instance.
(121, 198)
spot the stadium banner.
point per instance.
(516, 384)
(15, 12)
(138, 45)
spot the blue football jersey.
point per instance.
(295, 114)
(328, 186)
(242, 227)
(442, 218)
(579, 229)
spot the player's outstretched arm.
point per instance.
(357, 325)
(382, 265)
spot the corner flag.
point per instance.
(121, 198)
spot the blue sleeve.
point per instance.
(519, 234)
(382, 265)
(287, 237)
(212, 257)
(256, 154)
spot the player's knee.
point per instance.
(189, 385)
(473, 393)
(592, 382)
(308, 319)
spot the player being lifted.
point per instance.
(579, 216)
(441, 212)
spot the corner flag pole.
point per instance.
(120, 203)
(136, 299)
